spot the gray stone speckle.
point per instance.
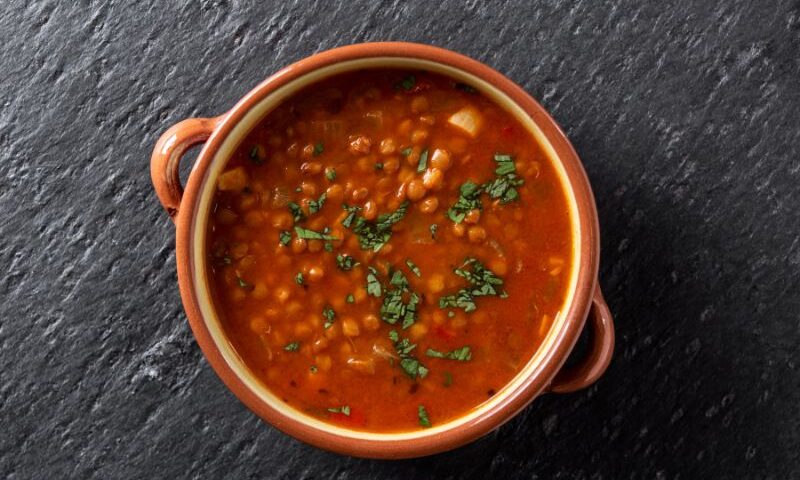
(685, 115)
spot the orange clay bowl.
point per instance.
(190, 210)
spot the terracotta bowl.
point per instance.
(189, 210)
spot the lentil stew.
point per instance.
(388, 249)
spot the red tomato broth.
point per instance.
(288, 156)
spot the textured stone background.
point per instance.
(686, 114)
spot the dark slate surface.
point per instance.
(686, 115)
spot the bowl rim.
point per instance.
(533, 385)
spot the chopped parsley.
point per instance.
(469, 199)
(378, 165)
(410, 365)
(330, 316)
(243, 284)
(313, 369)
(297, 212)
(292, 347)
(413, 267)
(285, 237)
(373, 285)
(352, 215)
(462, 354)
(350, 298)
(318, 149)
(433, 228)
(406, 151)
(408, 82)
(300, 279)
(424, 421)
(255, 155)
(307, 234)
(315, 206)
(504, 186)
(373, 235)
(423, 161)
(345, 262)
(330, 174)
(483, 282)
(344, 410)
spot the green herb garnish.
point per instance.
(483, 282)
(378, 165)
(318, 149)
(434, 228)
(468, 200)
(285, 237)
(350, 298)
(330, 174)
(410, 365)
(423, 417)
(307, 234)
(255, 155)
(373, 285)
(297, 212)
(329, 315)
(352, 215)
(313, 369)
(299, 279)
(344, 410)
(413, 267)
(345, 262)
(408, 82)
(292, 347)
(374, 235)
(406, 151)
(504, 186)
(315, 206)
(243, 284)
(423, 161)
(462, 354)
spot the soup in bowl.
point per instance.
(386, 250)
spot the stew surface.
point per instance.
(387, 249)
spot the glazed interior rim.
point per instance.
(198, 234)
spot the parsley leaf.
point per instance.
(410, 365)
(373, 235)
(256, 154)
(483, 282)
(329, 315)
(406, 151)
(344, 410)
(330, 174)
(423, 161)
(292, 347)
(315, 206)
(424, 421)
(408, 82)
(345, 262)
(318, 149)
(413, 267)
(469, 199)
(307, 234)
(350, 298)
(297, 212)
(299, 279)
(243, 284)
(433, 228)
(504, 186)
(462, 354)
(373, 285)
(285, 237)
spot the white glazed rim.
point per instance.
(198, 249)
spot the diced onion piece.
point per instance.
(231, 180)
(467, 119)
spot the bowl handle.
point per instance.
(167, 154)
(594, 365)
